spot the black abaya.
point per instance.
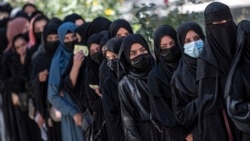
(184, 88)
(237, 90)
(160, 89)
(138, 124)
(212, 71)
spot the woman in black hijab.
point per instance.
(18, 86)
(74, 18)
(36, 31)
(98, 25)
(237, 86)
(40, 82)
(120, 28)
(184, 89)
(213, 67)
(94, 96)
(167, 55)
(81, 33)
(110, 98)
(136, 63)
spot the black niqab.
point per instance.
(82, 31)
(116, 25)
(219, 46)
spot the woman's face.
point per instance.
(94, 48)
(122, 32)
(79, 22)
(29, 10)
(70, 37)
(167, 42)
(20, 46)
(191, 36)
(39, 26)
(52, 38)
(136, 50)
(111, 56)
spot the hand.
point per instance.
(15, 99)
(43, 75)
(39, 120)
(78, 59)
(189, 137)
(97, 91)
(78, 119)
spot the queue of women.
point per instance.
(193, 87)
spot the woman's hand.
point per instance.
(78, 119)
(97, 91)
(78, 59)
(189, 137)
(43, 75)
(15, 99)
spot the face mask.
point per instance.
(38, 35)
(51, 47)
(112, 64)
(170, 54)
(193, 49)
(141, 62)
(97, 57)
(70, 45)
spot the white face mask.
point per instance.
(193, 49)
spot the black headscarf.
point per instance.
(116, 25)
(237, 109)
(82, 31)
(3, 40)
(97, 25)
(39, 18)
(114, 44)
(166, 30)
(124, 56)
(164, 70)
(184, 77)
(50, 28)
(219, 47)
(72, 18)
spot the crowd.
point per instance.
(77, 80)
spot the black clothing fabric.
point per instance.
(97, 25)
(213, 66)
(41, 63)
(17, 81)
(95, 101)
(72, 18)
(116, 25)
(134, 95)
(236, 90)
(184, 88)
(82, 31)
(160, 89)
(110, 97)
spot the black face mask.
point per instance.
(38, 36)
(97, 57)
(112, 64)
(141, 62)
(51, 47)
(170, 55)
(70, 45)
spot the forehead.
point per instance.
(135, 46)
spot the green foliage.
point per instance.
(89, 9)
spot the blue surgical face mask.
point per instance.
(193, 49)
